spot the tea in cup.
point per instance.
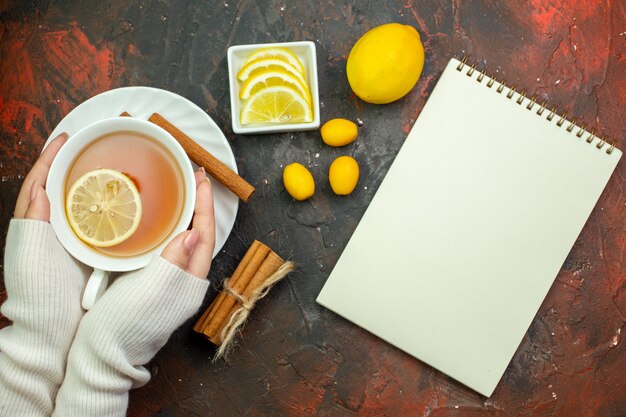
(120, 189)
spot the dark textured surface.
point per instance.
(295, 358)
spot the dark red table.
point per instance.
(296, 358)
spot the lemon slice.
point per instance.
(272, 77)
(103, 207)
(279, 104)
(279, 53)
(268, 63)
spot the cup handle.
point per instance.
(97, 284)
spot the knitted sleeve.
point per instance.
(121, 333)
(44, 286)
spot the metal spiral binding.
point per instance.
(471, 70)
(461, 64)
(532, 102)
(511, 92)
(481, 76)
(542, 107)
(611, 148)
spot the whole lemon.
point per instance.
(343, 175)
(385, 63)
(298, 181)
(338, 132)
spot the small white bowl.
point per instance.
(305, 50)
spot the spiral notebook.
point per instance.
(470, 227)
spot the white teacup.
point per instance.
(55, 186)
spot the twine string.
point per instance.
(239, 317)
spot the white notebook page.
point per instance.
(469, 228)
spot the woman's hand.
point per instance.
(32, 201)
(135, 317)
(192, 250)
(44, 286)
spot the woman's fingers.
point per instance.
(200, 175)
(180, 249)
(204, 223)
(39, 205)
(38, 174)
(192, 250)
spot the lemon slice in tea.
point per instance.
(103, 207)
(277, 104)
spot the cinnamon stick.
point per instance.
(259, 270)
(270, 265)
(209, 314)
(258, 264)
(218, 170)
(259, 253)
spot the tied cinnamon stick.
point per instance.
(257, 272)
(218, 170)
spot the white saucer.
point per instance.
(141, 102)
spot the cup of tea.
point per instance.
(120, 189)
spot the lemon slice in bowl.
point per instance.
(252, 67)
(278, 104)
(272, 77)
(279, 53)
(103, 207)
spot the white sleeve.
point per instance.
(44, 285)
(121, 333)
